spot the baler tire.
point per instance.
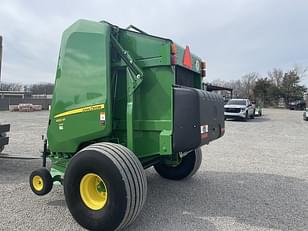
(187, 168)
(198, 161)
(41, 181)
(125, 181)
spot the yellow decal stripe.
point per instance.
(81, 110)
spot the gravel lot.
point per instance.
(254, 178)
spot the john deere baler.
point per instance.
(123, 101)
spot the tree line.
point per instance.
(269, 90)
(37, 89)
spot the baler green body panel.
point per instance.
(82, 88)
(85, 78)
(117, 85)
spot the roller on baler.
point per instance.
(123, 101)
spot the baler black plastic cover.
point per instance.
(198, 118)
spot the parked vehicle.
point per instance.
(257, 107)
(240, 109)
(123, 101)
(297, 105)
(258, 111)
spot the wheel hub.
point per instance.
(38, 183)
(93, 191)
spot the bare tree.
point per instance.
(301, 71)
(276, 76)
(219, 82)
(248, 83)
(11, 87)
(271, 89)
(41, 88)
(239, 86)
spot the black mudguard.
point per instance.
(198, 118)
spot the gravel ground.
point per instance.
(254, 178)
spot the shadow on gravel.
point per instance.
(255, 120)
(259, 200)
(57, 203)
(259, 119)
(16, 170)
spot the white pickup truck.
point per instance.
(239, 108)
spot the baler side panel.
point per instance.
(146, 50)
(153, 111)
(81, 110)
(153, 98)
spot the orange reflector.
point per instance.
(203, 65)
(187, 58)
(173, 48)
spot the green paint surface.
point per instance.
(91, 72)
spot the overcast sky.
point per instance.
(234, 36)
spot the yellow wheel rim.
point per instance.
(93, 191)
(38, 183)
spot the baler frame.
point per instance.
(135, 77)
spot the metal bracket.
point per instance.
(45, 153)
(58, 178)
(136, 29)
(136, 74)
(134, 79)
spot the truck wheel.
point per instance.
(187, 167)
(1, 148)
(41, 181)
(246, 116)
(105, 186)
